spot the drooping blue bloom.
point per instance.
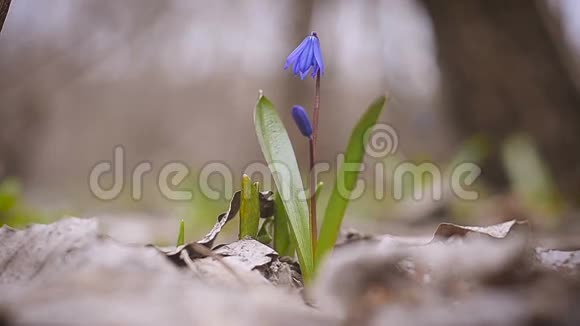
(306, 56)
(302, 121)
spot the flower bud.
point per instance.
(302, 121)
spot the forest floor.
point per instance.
(68, 273)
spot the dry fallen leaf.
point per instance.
(497, 231)
(66, 273)
(443, 278)
(560, 260)
(266, 210)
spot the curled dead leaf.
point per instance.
(497, 231)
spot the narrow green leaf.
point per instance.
(339, 198)
(283, 242)
(319, 187)
(181, 236)
(281, 160)
(249, 209)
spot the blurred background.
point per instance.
(494, 82)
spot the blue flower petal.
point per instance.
(299, 48)
(291, 59)
(295, 54)
(303, 74)
(318, 56)
(296, 66)
(289, 62)
(306, 58)
(302, 60)
(315, 71)
(311, 54)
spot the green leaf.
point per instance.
(281, 160)
(283, 241)
(339, 198)
(181, 236)
(319, 187)
(249, 209)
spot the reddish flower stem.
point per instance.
(312, 177)
(312, 141)
(316, 106)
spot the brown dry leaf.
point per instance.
(239, 263)
(191, 248)
(563, 261)
(497, 231)
(66, 273)
(247, 262)
(266, 210)
(487, 279)
(247, 253)
(43, 251)
(443, 232)
(222, 219)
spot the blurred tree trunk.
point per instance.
(503, 73)
(4, 5)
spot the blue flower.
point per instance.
(307, 55)
(302, 121)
